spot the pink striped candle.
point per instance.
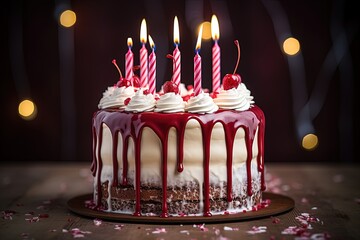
(176, 54)
(215, 55)
(197, 64)
(152, 68)
(129, 61)
(143, 56)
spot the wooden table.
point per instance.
(34, 197)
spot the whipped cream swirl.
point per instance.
(141, 102)
(202, 103)
(170, 103)
(114, 97)
(243, 90)
(238, 99)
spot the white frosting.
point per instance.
(202, 103)
(115, 97)
(141, 103)
(170, 103)
(232, 99)
(243, 90)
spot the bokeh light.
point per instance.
(67, 18)
(291, 46)
(310, 141)
(27, 109)
(206, 30)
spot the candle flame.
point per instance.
(176, 31)
(152, 44)
(198, 42)
(129, 42)
(215, 32)
(143, 32)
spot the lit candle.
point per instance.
(176, 54)
(215, 54)
(197, 64)
(143, 56)
(152, 68)
(129, 60)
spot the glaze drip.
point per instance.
(132, 124)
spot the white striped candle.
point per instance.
(215, 55)
(152, 68)
(129, 61)
(143, 56)
(197, 64)
(176, 54)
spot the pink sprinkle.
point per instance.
(201, 227)
(97, 222)
(185, 232)
(159, 230)
(119, 226)
(275, 220)
(7, 214)
(255, 230)
(230, 229)
(77, 233)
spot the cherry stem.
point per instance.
(114, 62)
(238, 58)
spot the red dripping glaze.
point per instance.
(131, 125)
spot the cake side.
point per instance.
(213, 161)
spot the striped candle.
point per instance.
(176, 66)
(129, 61)
(215, 55)
(216, 67)
(152, 68)
(197, 74)
(197, 64)
(176, 54)
(143, 56)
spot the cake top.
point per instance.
(127, 95)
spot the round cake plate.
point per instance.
(279, 204)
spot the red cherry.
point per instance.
(136, 81)
(190, 87)
(170, 86)
(186, 98)
(126, 101)
(231, 81)
(123, 82)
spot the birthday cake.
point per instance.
(178, 152)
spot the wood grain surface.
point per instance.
(34, 197)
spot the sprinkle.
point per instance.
(230, 228)
(97, 222)
(275, 220)
(159, 230)
(185, 232)
(255, 230)
(7, 214)
(118, 227)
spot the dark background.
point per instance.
(33, 45)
